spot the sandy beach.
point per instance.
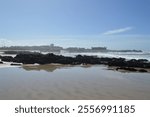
(71, 82)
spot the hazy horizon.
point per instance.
(86, 42)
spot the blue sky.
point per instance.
(117, 24)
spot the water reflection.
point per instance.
(50, 67)
(94, 82)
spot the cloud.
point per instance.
(117, 31)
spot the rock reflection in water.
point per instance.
(50, 67)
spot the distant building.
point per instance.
(51, 45)
(99, 49)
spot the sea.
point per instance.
(127, 55)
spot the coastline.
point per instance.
(52, 60)
(55, 81)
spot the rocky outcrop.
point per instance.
(131, 69)
(7, 58)
(15, 64)
(121, 63)
(126, 68)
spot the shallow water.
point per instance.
(63, 82)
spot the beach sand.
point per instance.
(54, 82)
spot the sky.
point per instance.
(116, 24)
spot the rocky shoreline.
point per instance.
(140, 65)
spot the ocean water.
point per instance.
(63, 82)
(127, 55)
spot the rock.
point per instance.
(117, 62)
(7, 58)
(142, 70)
(143, 60)
(127, 69)
(121, 63)
(17, 64)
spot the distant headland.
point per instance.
(53, 48)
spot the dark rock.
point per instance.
(17, 64)
(127, 69)
(117, 62)
(143, 60)
(7, 58)
(143, 70)
(121, 63)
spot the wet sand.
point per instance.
(72, 82)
